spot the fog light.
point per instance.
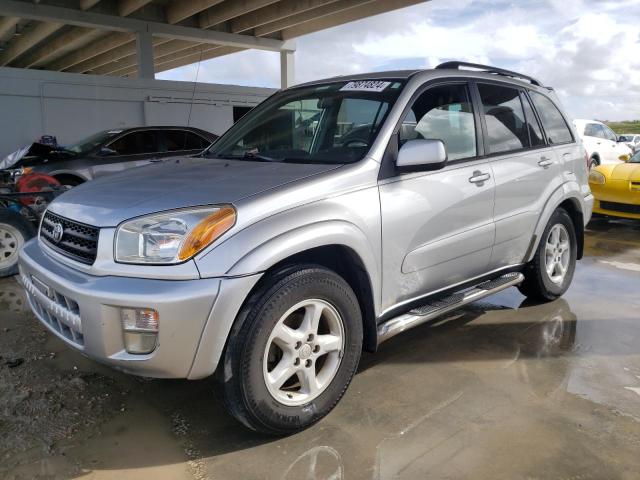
(140, 326)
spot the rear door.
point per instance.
(568, 153)
(437, 226)
(132, 149)
(593, 138)
(525, 169)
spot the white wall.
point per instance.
(73, 106)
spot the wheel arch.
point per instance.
(61, 176)
(349, 265)
(567, 197)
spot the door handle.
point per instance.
(544, 162)
(479, 177)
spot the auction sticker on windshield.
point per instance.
(366, 86)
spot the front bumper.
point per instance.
(83, 310)
(620, 209)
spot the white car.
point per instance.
(632, 140)
(601, 143)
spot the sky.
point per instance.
(588, 50)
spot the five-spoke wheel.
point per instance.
(549, 273)
(303, 352)
(557, 253)
(293, 350)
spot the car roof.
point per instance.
(583, 120)
(445, 70)
(166, 127)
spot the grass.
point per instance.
(628, 126)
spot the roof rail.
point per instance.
(486, 68)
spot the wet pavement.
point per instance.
(503, 389)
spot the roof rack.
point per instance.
(486, 68)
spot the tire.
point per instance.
(15, 230)
(256, 351)
(593, 163)
(539, 283)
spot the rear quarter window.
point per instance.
(553, 122)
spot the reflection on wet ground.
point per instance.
(502, 389)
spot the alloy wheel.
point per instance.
(303, 353)
(557, 253)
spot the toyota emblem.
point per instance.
(57, 232)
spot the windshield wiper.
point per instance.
(248, 156)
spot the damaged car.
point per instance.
(108, 151)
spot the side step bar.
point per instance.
(436, 308)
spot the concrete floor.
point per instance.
(502, 390)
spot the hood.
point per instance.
(34, 154)
(626, 171)
(176, 183)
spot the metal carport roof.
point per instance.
(142, 37)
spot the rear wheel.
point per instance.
(15, 230)
(292, 353)
(550, 272)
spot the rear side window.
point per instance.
(554, 125)
(135, 143)
(183, 140)
(504, 116)
(443, 113)
(593, 130)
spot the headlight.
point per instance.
(172, 237)
(597, 178)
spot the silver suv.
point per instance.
(332, 217)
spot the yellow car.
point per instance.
(617, 188)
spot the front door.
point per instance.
(437, 226)
(132, 149)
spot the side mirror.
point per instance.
(106, 152)
(417, 155)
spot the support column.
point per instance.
(144, 49)
(287, 68)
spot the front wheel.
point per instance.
(293, 350)
(549, 274)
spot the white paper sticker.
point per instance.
(366, 86)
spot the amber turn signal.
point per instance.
(206, 231)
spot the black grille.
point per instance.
(79, 241)
(620, 207)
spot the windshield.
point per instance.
(635, 158)
(85, 146)
(330, 123)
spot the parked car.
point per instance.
(109, 151)
(631, 140)
(616, 189)
(289, 246)
(601, 143)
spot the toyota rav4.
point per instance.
(333, 216)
